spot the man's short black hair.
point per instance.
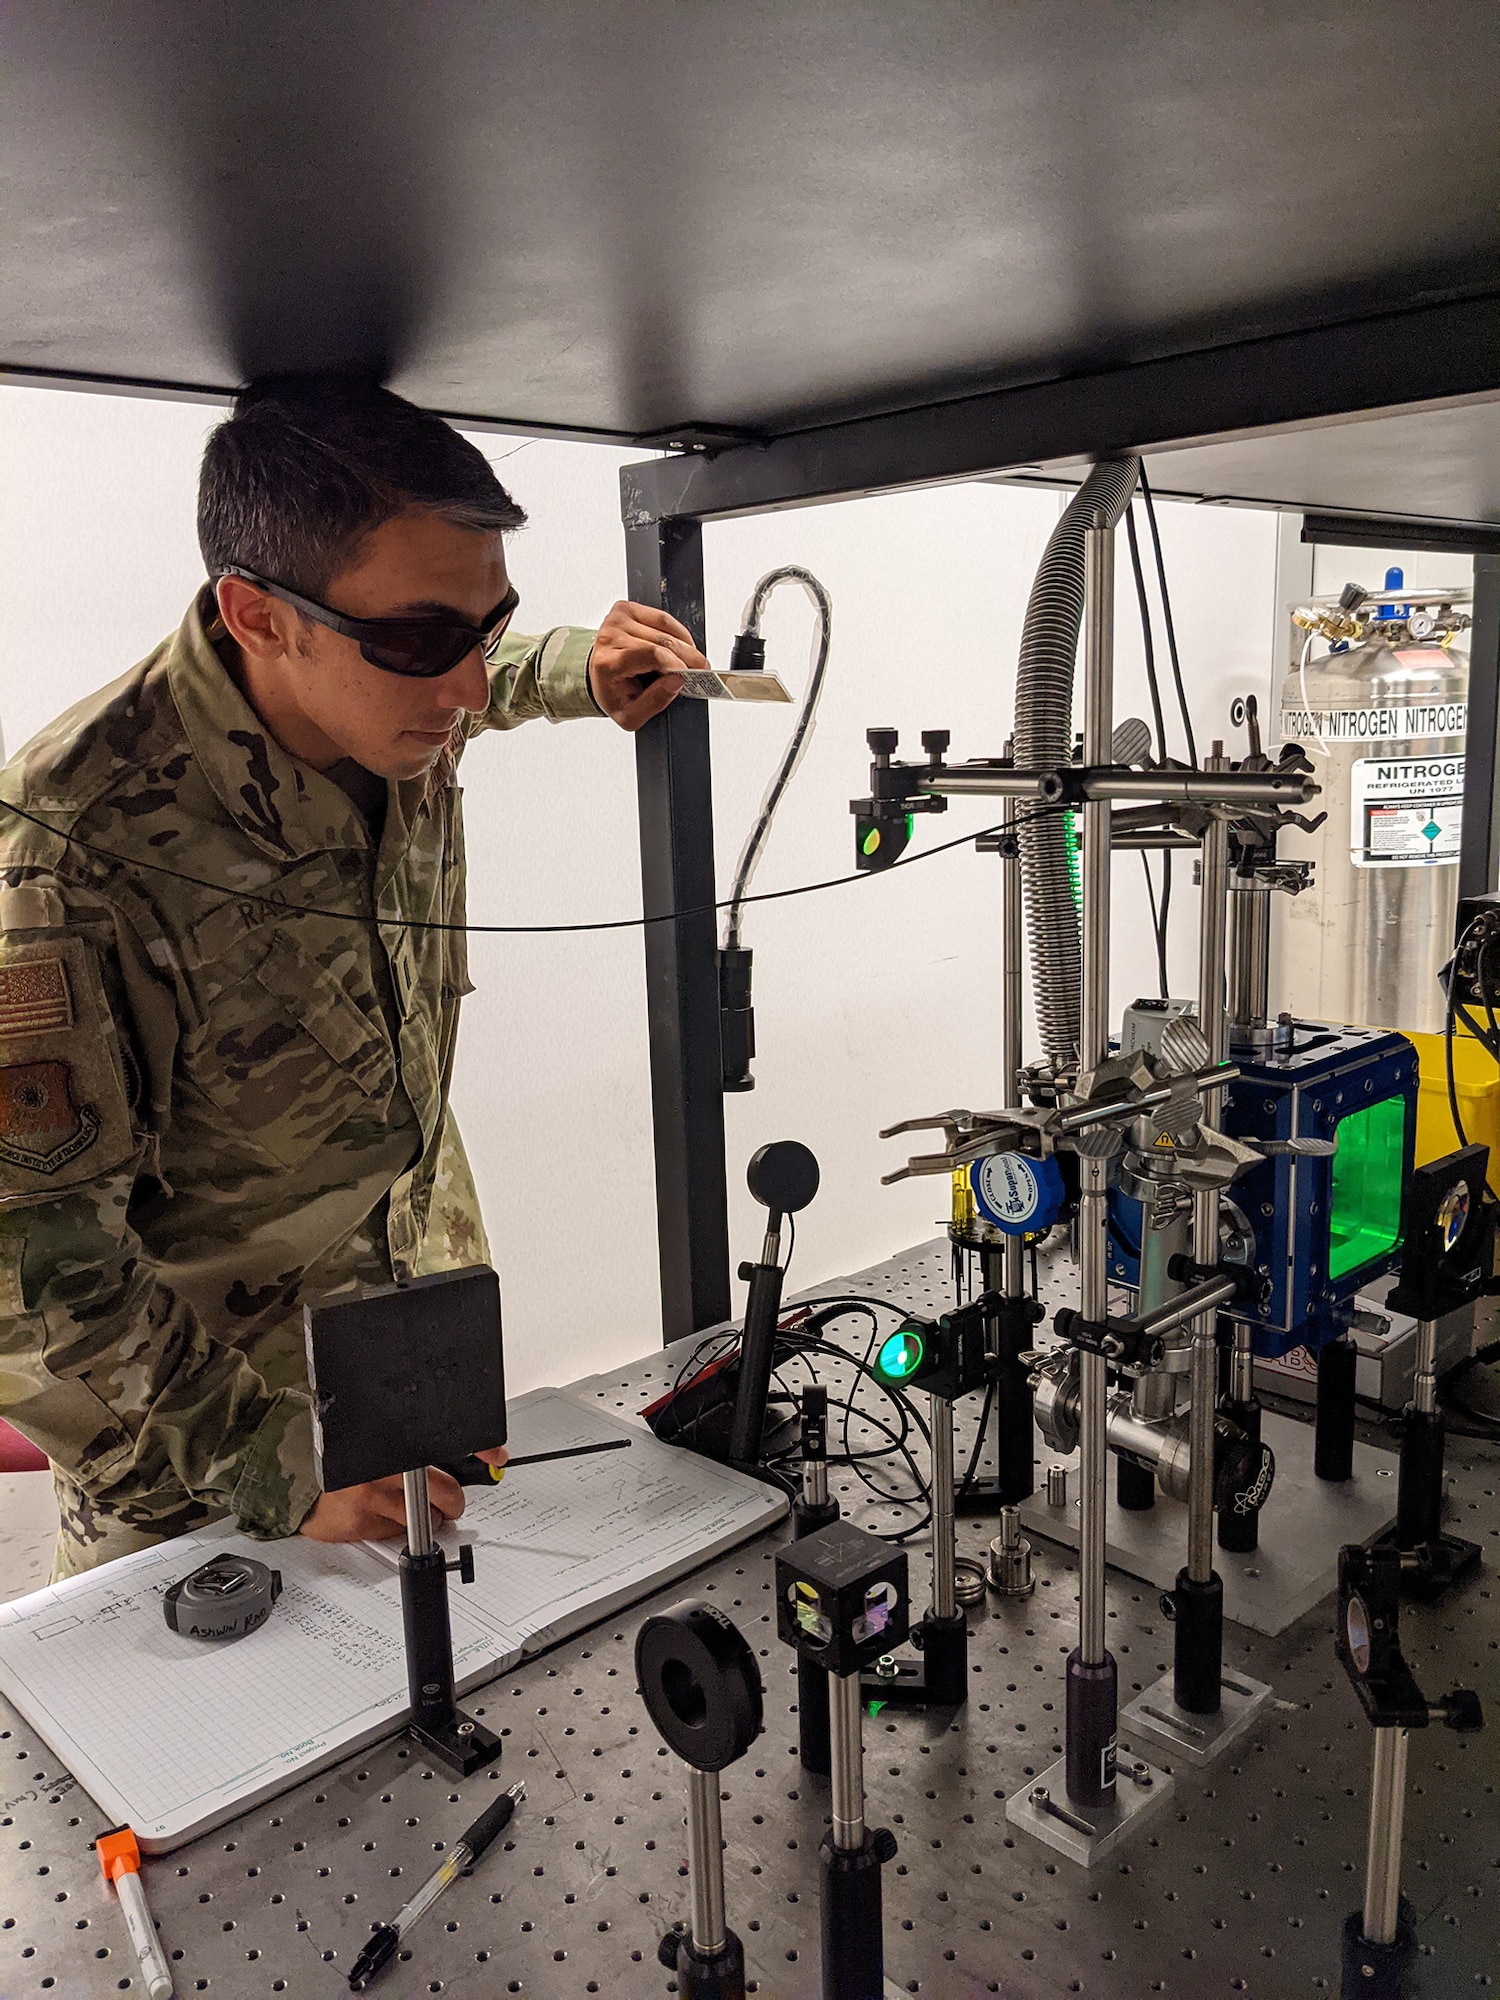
(308, 465)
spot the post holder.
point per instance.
(814, 1508)
(363, 1354)
(1378, 1938)
(841, 1596)
(1446, 1263)
(456, 1740)
(940, 1678)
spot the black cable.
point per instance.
(1148, 646)
(493, 930)
(792, 755)
(984, 1421)
(854, 1299)
(802, 1344)
(1158, 928)
(1147, 641)
(1166, 916)
(1166, 612)
(1449, 1011)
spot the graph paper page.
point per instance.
(557, 1546)
(174, 1736)
(171, 1733)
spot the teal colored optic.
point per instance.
(901, 1356)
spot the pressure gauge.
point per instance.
(1017, 1194)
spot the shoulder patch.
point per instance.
(42, 1123)
(65, 1115)
(34, 998)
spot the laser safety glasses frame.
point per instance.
(418, 649)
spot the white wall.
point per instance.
(875, 1001)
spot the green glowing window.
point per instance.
(1365, 1219)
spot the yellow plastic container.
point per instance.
(1476, 1082)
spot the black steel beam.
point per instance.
(1428, 354)
(664, 565)
(1479, 852)
(1395, 531)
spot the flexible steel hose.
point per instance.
(1044, 740)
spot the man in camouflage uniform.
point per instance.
(212, 1108)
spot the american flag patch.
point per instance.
(34, 997)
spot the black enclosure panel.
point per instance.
(628, 218)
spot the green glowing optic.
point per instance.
(1364, 1220)
(901, 1356)
(871, 841)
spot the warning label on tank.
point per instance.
(1375, 725)
(1405, 812)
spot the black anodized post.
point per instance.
(1333, 1433)
(664, 566)
(429, 1642)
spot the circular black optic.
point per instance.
(684, 1693)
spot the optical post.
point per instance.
(813, 1509)
(948, 1358)
(783, 1177)
(699, 1681)
(1378, 1938)
(841, 1596)
(362, 1355)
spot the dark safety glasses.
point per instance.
(419, 648)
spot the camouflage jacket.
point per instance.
(211, 1111)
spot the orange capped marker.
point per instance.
(120, 1858)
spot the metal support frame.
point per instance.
(664, 565)
(1282, 381)
(1196, 1709)
(1479, 853)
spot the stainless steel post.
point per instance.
(1242, 1364)
(848, 1773)
(1098, 722)
(1012, 1253)
(1383, 1856)
(944, 1603)
(418, 1511)
(1211, 1019)
(1424, 1382)
(1249, 965)
(706, 1861)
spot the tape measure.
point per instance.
(1016, 1193)
(225, 1599)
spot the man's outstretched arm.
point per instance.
(628, 670)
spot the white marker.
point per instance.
(120, 1858)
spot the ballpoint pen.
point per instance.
(120, 1858)
(386, 1939)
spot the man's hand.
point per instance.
(376, 1511)
(633, 667)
